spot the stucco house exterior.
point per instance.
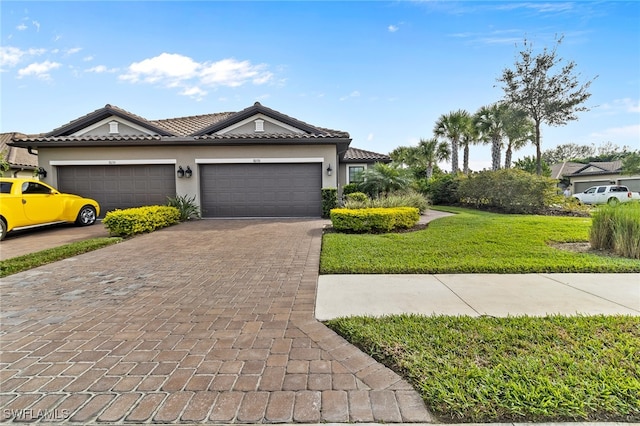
(257, 162)
(21, 163)
(583, 176)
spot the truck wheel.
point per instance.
(3, 231)
(86, 216)
(613, 201)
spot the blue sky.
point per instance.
(383, 71)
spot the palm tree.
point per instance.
(519, 129)
(384, 178)
(490, 122)
(403, 155)
(470, 137)
(430, 151)
(453, 126)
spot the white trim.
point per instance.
(110, 162)
(259, 116)
(258, 160)
(108, 120)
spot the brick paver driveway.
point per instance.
(207, 321)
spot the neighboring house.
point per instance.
(254, 163)
(602, 173)
(355, 161)
(21, 162)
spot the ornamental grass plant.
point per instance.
(617, 228)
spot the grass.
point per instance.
(517, 369)
(471, 242)
(617, 228)
(33, 260)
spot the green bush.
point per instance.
(329, 200)
(349, 189)
(507, 190)
(128, 222)
(186, 205)
(374, 219)
(442, 190)
(617, 228)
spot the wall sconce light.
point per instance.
(188, 172)
(42, 173)
(329, 170)
(180, 172)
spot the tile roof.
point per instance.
(355, 154)
(16, 156)
(604, 168)
(183, 126)
(564, 169)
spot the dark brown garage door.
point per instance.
(120, 187)
(261, 190)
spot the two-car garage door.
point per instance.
(120, 186)
(227, 190)
(261, 190)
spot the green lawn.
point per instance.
(470, 242)
(518, 369)
(33, 260)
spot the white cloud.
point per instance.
(88, 58)
(72, 51)
(37, 25)
(615, 133)
(11, 56)
(173, 70)
(393, 28)
(39, 70)
(21, 27)
(626, 105)
(354, 94)
(370, 137)
(99, 69)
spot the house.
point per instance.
(21, 163)
(355, 161)
(254, 163)
(583, 176)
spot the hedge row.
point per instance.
(124, 223)
(374, 219)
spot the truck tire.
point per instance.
(3, 230)
(613, 201)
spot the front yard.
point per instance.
(516, 369)
(471, 242)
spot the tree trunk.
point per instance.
(429, 170)
(507, 158)
(495, 154)
(465, 161)
(538, 151)
(454, 156)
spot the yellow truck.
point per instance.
(27, 203)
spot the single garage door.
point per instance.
(261, 190)
(120, 187)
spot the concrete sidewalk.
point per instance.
(478, 294)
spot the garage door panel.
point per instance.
(261, 190)
(120, 187)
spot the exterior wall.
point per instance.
(102, 129)
(184, 156)
(584, 182)
(19, 173)
(248, 126)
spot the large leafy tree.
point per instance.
(631, 164)
(519, 132)
(490, 122)
(530, 164)
(452, 127)
(547, 89)
(567, 152)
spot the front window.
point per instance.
(5, 187)
(355, 174)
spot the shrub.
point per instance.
(507, 190)
(349, 189)
(359, 200)
(329, 201)
(374, 219)
(138, 220)
(442, 190)
(186, 205)
(617, 228)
